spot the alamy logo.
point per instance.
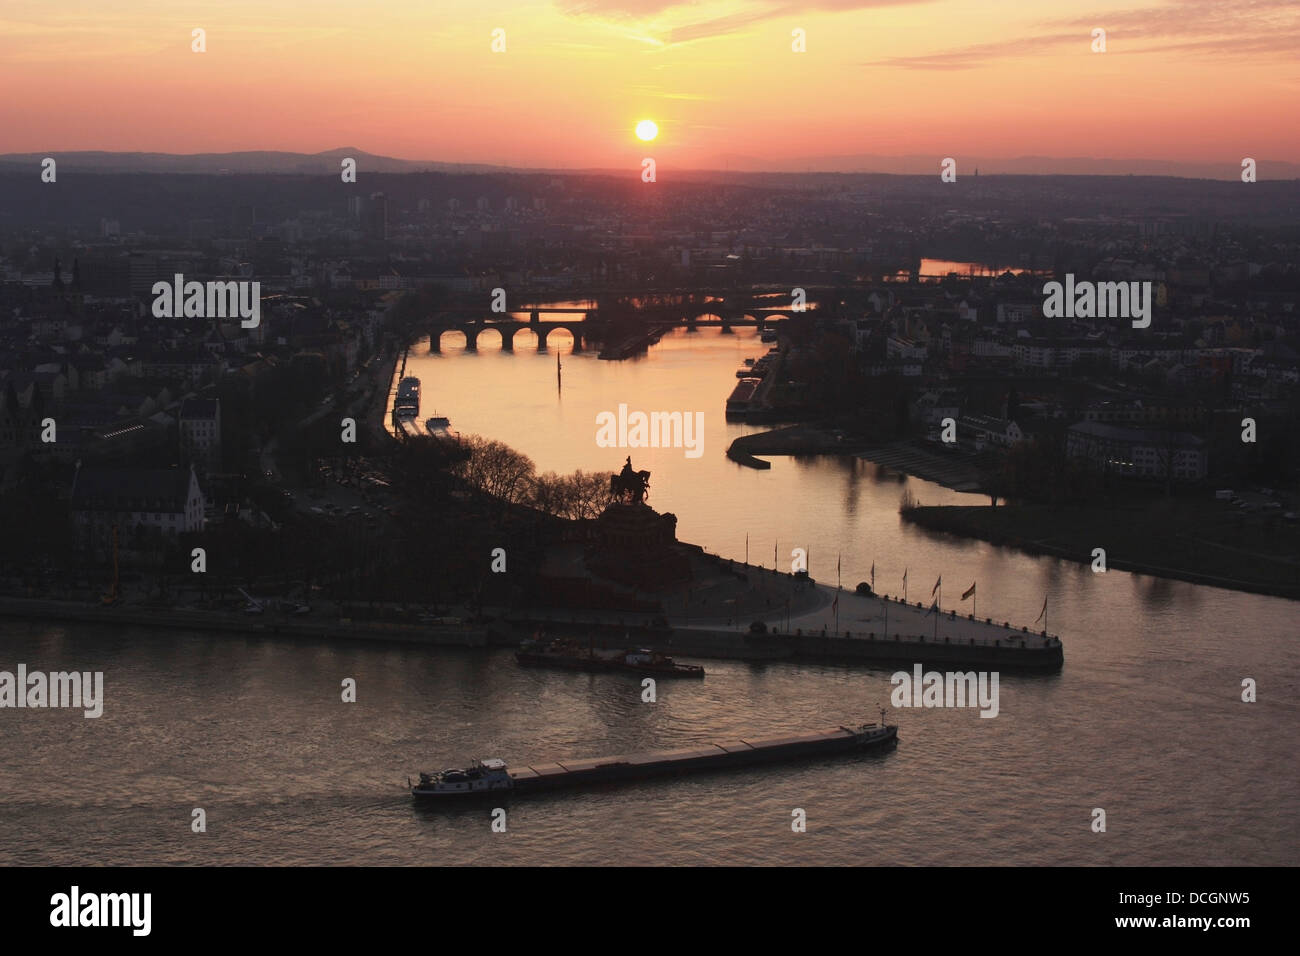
(953, 689)
(212, 300)
(653, 430)
(56, 689)
(103, 909)
(1098, 300)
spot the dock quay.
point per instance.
(997, 646)
(799, 622)
(742, 457)
(493, 775)
(1011, 650)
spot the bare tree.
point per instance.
(551, 494)
(588, 494)
(496, 469)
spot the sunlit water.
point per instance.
(1145, 720)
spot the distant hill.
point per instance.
(917, 164)
(256, 161)
(274, 162)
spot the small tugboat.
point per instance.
(485, 776)
(569, 655)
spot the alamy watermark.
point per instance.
(1098, 300)
(651, 430)
(211, 300)
(74, 908)
(36, 689)
(952, 689)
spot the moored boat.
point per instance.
(407, 403)
(569, 655)
(439, 427)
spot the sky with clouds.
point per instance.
(1183, 80)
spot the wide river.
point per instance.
(1146, 721)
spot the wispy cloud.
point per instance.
(664, 18)
(719, 26)
(975, 55)
(1248, 28)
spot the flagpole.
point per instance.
(746, 549)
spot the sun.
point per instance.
(647, 130)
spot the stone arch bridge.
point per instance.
(542, 322)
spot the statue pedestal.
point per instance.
(637, 546)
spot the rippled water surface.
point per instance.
(1145, 720)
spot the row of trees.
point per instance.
(495, 469)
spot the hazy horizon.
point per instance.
(265, 160)
(906, 79)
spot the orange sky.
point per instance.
(1194, 80)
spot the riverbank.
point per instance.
(268, 624)
(906, 457)
(951, 471)
(794, 440)
(955, 640)
(1203, 542)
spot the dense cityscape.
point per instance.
(917, 333)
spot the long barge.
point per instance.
(493, 775)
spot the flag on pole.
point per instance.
(904, 575)
(969, 591)
(936, 586)
(873, 576)
(934, 606)
(1043, 611)
(835, 605)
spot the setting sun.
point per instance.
(647, 130)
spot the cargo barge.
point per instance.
(494, 776)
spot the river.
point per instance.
(1145, 721)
